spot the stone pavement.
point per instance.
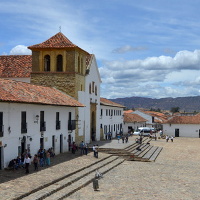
(16, 183)
(174, 175)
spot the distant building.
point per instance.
(132, 122)
(111, 118)
(154, 119)
(183, 126)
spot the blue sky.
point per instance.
(143, 48)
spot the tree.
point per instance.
(175, 109)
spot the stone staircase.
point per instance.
(136, 152)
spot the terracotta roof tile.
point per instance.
(130, 118)
(128, 111)
(107, 102)
(158, 115)
(57, 41)
(15, 66)
(20, 92)
(184, 120)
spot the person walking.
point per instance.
(167, 138)
(172, 139)
(27, 162)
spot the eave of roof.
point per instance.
(20, 92)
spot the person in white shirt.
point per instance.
(27, 162)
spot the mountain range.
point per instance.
(185, 104)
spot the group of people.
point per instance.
(42, 158)
(82, 146)
(168, 137)
(123, 137)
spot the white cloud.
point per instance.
(154, 76)
(20, 50)
(128, 48)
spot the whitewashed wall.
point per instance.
(12, 119)
(85, 98)
(145, 116)
(113, 121)
(185, 130)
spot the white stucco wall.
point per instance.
(86, 98)
(113, 122)
(185, 130)
(145, 116)
(12, 119)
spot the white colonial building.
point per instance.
(59, 63)
(111, 118)
(132, 122)
(34, 117)
(183, 126)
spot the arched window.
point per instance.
(59, 63)
(47, 63)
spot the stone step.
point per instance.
(143, 148)
(67, 181)
(142, 153)
(75, 186)
(147, 156)
(156, 153)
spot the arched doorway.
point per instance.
(93, 126)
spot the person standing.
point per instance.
(27, 162)
(48, 155)
(118, 137)
(172, 139)
(82, 147)
(167, 138)
(35, 162)
(86, 149)
(94, 150)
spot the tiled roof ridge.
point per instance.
(59, 40)
(132, 117)
(107, 102)
(184, 120)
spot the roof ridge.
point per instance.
(59, 40)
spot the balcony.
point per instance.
(23, 127)
(71, 125)
(1, 130)
(42, 126)
(58, 125)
